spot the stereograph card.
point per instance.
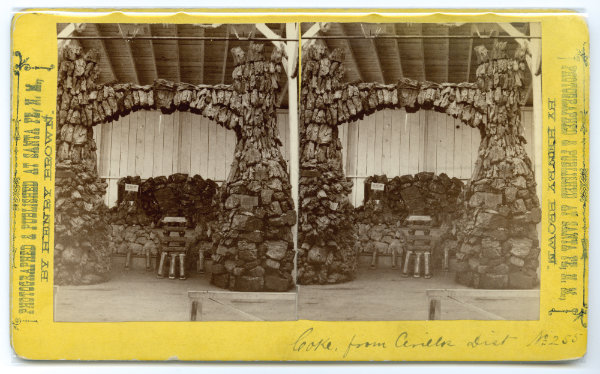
(304, 186)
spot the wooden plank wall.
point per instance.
(394, 142)
(151, 144)
(391, 142)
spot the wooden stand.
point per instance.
(174, 245)
(419, 243)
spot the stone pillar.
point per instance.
(325, 233)
(81, 228)
(254, 247)
(499, 245)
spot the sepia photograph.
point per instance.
(311, 185)
(418, 171)
(204, 173)
(173, 194)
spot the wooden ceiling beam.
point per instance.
(202, 51)
(177, 57)
(268, 33)
(314, 30)
(132, 59)
(446, 55)
(422, 47)
(379, 67)
(350, 52)
(398, 53)
(225, 55)
(153, 54)
(469, 60)
(129, 51)
(103, 50)
(69, 30)
(526, 44)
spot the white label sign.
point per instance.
(132, 187)
(377, 186)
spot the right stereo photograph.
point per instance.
(418, 162)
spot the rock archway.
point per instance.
(254, 248)
(498, 243)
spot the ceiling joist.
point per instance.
(177, 56)
(129, 52)
(470, 58)
(266, 31)
(446, 55)
(225, 55)
(103, 50)
(351, 56)
(153, 55)
(422, 54)
(398, 53)
(378, 62)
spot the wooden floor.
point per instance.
(380, 295)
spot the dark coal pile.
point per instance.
(380, 220)
(82, 234)
(176, 195)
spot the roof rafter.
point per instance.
(69, 30)
(422, 47)
(266, 31)
(129, 52)
(446, 54)
(379, 68)
(469, 60)
(153, 54)
(225, 55)
(398, 53)
(177, 57)
(104, 51)
(357, 69)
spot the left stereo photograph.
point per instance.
(173, 192)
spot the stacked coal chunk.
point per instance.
(499, 245)
(82, 236)
(325, 234)
(423, 193)
(81, 223)
(325, 100)
(380, 220)
(81, 103)
(254, 244)
(176, 195)
(135, 239)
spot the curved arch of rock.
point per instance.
(499, 242)
(253, 251)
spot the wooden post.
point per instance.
(293, 53)
(535, 48)
(194, 310)
(435, 309)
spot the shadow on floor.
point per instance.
(375, 295)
